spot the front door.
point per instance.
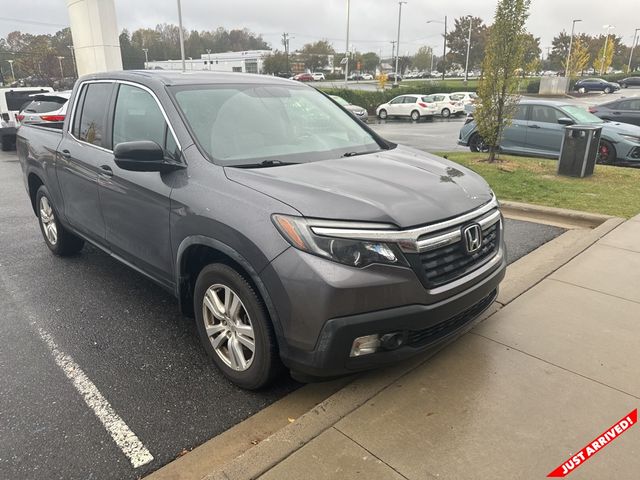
(135, 205)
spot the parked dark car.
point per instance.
(625, 110)
(290, 230)
(630, 82)
(391, 77)
(304, 77)
(595, 85)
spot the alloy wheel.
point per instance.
(228, 327)
(48, 220)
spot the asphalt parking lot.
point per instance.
(130, 342)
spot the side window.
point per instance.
(75, 128)
(410, 99)
(438, 98)
(521, 113)
(633, 104)
(544, 114)
(93, 118)
(137, 117)
(397, 100)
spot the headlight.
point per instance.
(357, 253)
(631, 138)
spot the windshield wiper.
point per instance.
(353, 154)
(265, 163)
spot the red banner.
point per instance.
(601, 441)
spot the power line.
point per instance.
(31, 22)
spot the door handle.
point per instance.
(66, 154)
(534, 126)
(617, 113)
(106, 170)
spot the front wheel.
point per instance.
(382, 114)
(59, 240)
(446, 113)
(623, 85)
(607, 90)
(415, 115)
(606, 153)
(582, 90)
(234, 327)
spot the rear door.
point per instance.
(135, 205)
(544, 133)
(514, 137)
(626, 111)
(81, 153)
(409, 105)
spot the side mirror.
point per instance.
(565, 121)
(142, 156)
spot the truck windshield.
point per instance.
(242, 124)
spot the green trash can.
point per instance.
(579, 150)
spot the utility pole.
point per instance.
(13, 75)
(604, 50)
(466, 66)
(633, 45)
(567, 67)
(285, 44)
(61, 71)
(346, 50)
(393, 49)
(146, 56)
(395, 78)
(73, 57)
(209, 57)
(444, 54)
(181, 33)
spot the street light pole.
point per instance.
(181, 33)
(466, 66)
(61, 71)
(13, 75)
(604, 50)
(73, 57)
(209, 57)
(567, 67)
(346, 50)
(633, 45)
(395, 77)
(146, 56)
(444, 49)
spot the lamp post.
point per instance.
(181, 33)
(13, 75)
(466, 66)
(633, 45)
(73, 57)
(146, 56)
(604, 50)
(567, 67)
(444, 49)
(395, 77)
(346, 50)
(209, 57)
(61, 71)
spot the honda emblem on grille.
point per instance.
(472, 236)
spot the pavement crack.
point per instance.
(594, 290)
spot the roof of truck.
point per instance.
(176, 77)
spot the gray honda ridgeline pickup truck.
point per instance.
(291, 231)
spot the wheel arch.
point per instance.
(34, 182)
(195, 252)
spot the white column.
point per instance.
(95, 35)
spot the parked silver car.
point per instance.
(537, 129)
(357, 110)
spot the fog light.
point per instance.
(365, 345)
(391, 341)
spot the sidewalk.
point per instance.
(514, 398)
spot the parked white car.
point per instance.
(413, 106)
(367, 76)
(444, 104)
(45, 108)
(466, 98)
(317, 76)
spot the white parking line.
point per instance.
(126, 440)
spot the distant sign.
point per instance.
(344, 61)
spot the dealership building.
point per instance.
(244, 62)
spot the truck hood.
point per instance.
(402, 186)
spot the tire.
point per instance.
(446, 113)
(582, 90)
(476, 144)
(415, 116)
(59, 240)
(607, 89)
(624, 85)
(606, 153)
(232, 333)
(382, 114)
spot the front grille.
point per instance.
(419, 338)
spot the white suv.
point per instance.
(413, 106)
(317, 76)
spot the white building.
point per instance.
(243, 62)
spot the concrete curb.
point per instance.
(552, 215)
(521, 276)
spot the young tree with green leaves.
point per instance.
(422, 59)
(499, 83)
(603, 60)
(580, 58)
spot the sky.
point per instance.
(374, 23)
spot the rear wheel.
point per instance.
(624, 85)
(59, 240)
(415, 115)
(446, 113)
(606, 153)
(234, 327)
(582, 90)
(382, 114)
(476, 144)
(607, 89)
